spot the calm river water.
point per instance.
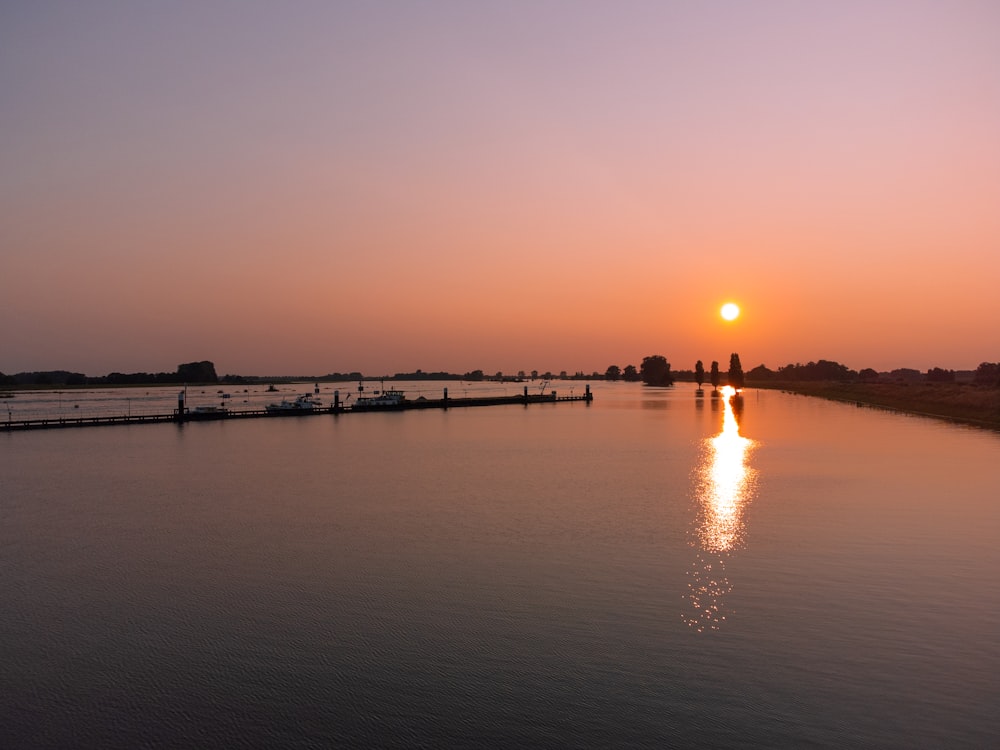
(644, 571)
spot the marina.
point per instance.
(296, 406)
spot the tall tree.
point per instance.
(655, 370)
(630, 374)
(988, 373)
(714, 375)
(699, 373)
(939, 375)
(735, 371)
(196, 372)
(613, 373)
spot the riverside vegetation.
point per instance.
(971, 397)
(965, 402)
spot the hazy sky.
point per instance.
(310, 187)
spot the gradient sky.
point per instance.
(312, 187)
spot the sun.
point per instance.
(730, 311)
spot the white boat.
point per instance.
(208, 410)
(390, 399)
(303, 403)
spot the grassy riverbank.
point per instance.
(971, 404)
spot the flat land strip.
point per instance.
(970, 404)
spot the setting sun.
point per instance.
(730, 311)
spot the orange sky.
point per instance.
(382, 187)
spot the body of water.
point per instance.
(648, 570)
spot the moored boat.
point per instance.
(390, 399)
(303, 403)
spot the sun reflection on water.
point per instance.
(724, 487)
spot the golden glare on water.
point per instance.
(724, 490)
(727, 486)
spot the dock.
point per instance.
(183, 415)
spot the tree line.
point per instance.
(191, 372)
(654, 370)
(987, 374)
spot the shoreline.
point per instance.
(975, 405)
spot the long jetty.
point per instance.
(182, 414)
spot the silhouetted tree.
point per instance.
(906, 375)
(760, 374)
(868, 375)
(630, 374)
(613, 373)
(699, 373)
(988, 373)
(714, 375)
(938, 375)
(735, 371)
(196, 372)
(49, 377)
(822, 370)
(655, 370)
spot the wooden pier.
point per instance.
(182, 415)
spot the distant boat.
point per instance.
(303, 403)
(390, 399)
